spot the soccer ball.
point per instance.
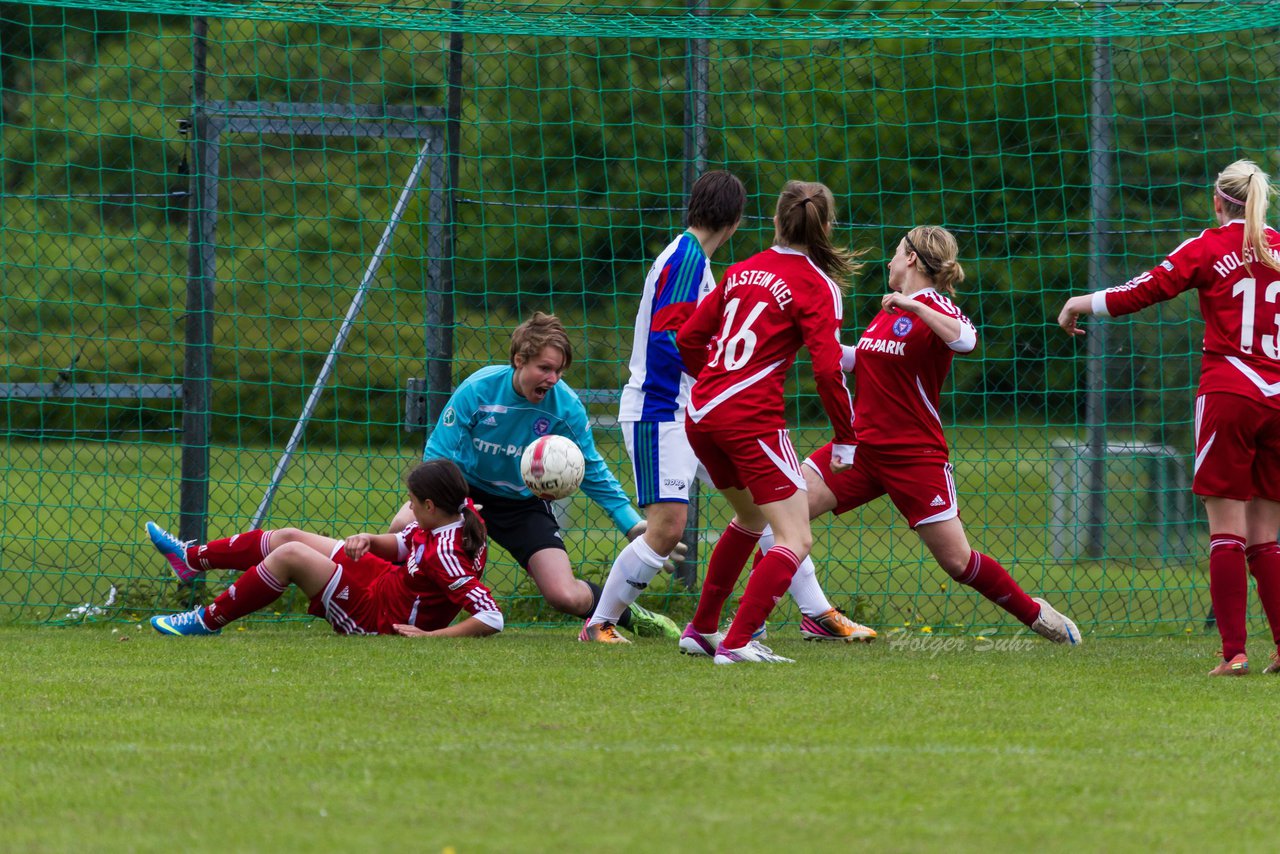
(552, 467)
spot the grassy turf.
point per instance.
(289, 738)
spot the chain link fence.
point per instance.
(244, 259)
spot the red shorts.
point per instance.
(1237, 448)
(348, 601)
(763, 462)
(920, 486)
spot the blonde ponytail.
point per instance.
(1245, 189)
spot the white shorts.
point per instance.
(665, 465)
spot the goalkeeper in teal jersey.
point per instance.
(484, 428)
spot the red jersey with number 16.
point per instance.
(743, 338)
(1240, 305)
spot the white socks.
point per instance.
(632, 570)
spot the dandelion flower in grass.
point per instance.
(928, 630)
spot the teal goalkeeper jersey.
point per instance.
(486, 425)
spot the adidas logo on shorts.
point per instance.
(937, 502)
(343, 593)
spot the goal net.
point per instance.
(191, 196)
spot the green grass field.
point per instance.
(288, 738)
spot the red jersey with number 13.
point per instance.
(743, 338)
(1239, 300)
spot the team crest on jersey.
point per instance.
(541, 426)
(1167, 264)
(449, 417)
(902, 326)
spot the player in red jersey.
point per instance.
(1236, 270)
(899, 365)
(739, 344)
(412, 583)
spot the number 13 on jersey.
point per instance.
(1248, 289)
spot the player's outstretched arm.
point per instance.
(1184, 269)
(471, 627)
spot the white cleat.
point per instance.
(1054, 626)
(752, 652)
(696, 643)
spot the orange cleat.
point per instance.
(601, 633)
(1237, 666)
(833, 625)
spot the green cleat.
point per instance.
(647, 624)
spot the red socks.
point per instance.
(988, 577)
(768, 583)
(1229, 590)
(239, 552)
(727, 560)
(1264, 563)
(254, 590)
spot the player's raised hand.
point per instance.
(893, 300)
(1071, 311)
(357, 545)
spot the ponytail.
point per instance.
(805, 212)
(441, 482)
(937, 251)
(473, 532)
(1244, 188)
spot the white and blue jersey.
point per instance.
(486, 426)
(651, 414)
(659, 388)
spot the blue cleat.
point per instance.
(174, 551)
(186, 623)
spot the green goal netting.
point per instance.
(247, 249)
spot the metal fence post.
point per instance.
(695, 163)
(440, 242)
(1101, 192)
(201, 262)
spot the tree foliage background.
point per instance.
(570, 177)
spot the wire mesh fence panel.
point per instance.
(258, 162)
